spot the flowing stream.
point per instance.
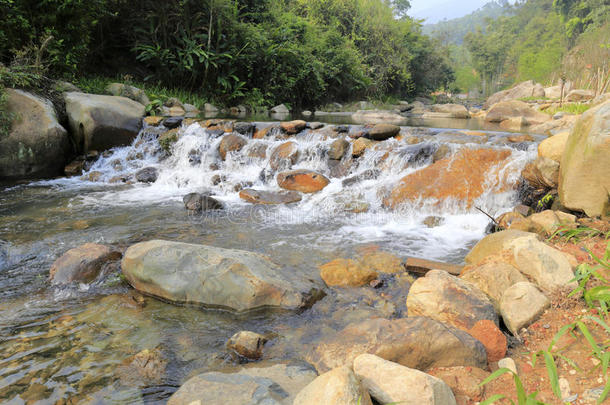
(74, 344)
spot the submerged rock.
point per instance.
(247, 344)
(82, 264)
(416, 342)
(336, 387)
(389, 382)
(269, 197)
(199, 202)
(215, 277)
(305, 181)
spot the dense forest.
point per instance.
(542, 40)
(257, 52)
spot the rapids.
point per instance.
(60, 343)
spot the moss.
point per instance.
(167, 139)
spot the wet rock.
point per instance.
(381, 132)
(520, 138)
(367, 174)
(459, 137)
(305, 181)
(293, 127)
(465, 382)
(389, 382)
(147, 175)
(507, 110)
(493, 279)
(269, 197)
(199, 202)
(241, 185)
(82, 264)
(336, 387)
(102, 122)
(244, 128)
(148, 365)
(74, 168)
(433, 221)
(36, 145)
(339, 168)
(230, 143)
(418, 154)
(93, 176)
(215, 388)
(153, 120)
(449, 299)
(360, 145)
(228, 278)
(257, 150)
(346, 273)
(493, 339)
(414, 342)
(315, 125)
(521, 305)
(247, 344)
(338, 148)
(585, 167)
(442, 152)
(284, 156)
(121, 178)
(172, 122)
(463, 177)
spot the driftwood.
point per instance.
(422, 266)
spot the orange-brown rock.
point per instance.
(346, 273)
(465, 382)
(464, 178)
(153, 120)
(293, 127)
(284, 156)
(383, 262)
(263, 132)
(305, 181)
(230, 143)
(83, 263)
(493, 339)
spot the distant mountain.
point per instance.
(453, 31)
(446, 10)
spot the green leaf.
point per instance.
(493, 399)
(499, 372)
(585, 331)
(551, 369)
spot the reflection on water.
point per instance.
(87, 343)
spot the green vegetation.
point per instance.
(523, 398)
(541, 40)
(573, 108)
(300, 52)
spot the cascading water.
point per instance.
(77, 342)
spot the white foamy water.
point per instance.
(194, 165)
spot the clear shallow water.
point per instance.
(76, 343)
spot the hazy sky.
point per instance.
(435, 10)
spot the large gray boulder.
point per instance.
(36, 145)
(450, 110)
(336, 387)
(214, 277)
(515, 109)
(584, 179)
(522, 90)
(102, 122)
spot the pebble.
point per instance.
(508, 363)
(546, 326)
(572, 372)
(564, 387)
